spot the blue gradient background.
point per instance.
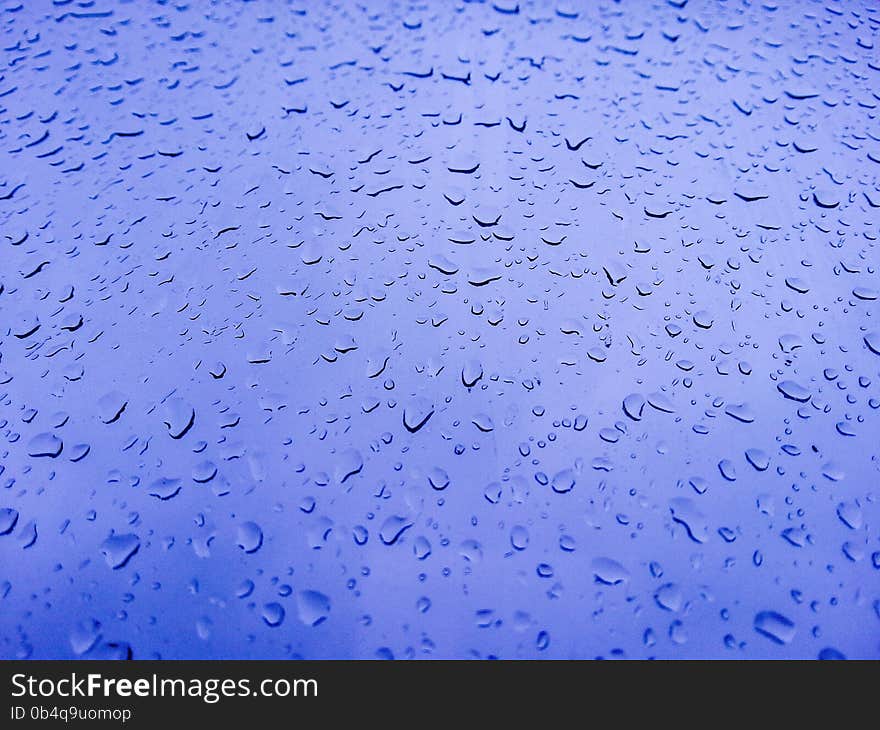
(439, 330)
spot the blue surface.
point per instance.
(442, 330)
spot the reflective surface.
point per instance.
(511, 330)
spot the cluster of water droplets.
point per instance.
(468, 329)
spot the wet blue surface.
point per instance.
(511, 330)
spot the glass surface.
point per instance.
(439, 330)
